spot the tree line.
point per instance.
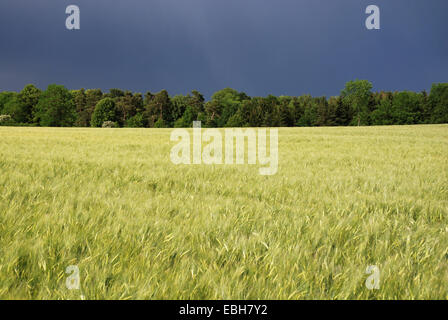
(356, 105)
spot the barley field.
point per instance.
(110, 202)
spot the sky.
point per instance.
(261, 47)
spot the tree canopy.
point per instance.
(55, 107)
(356, 105)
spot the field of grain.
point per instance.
(139, 227)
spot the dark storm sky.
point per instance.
(280, 47)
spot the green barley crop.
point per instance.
(138, 227)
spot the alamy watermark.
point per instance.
(373, 20)
(373, 281)
(234, 146)
(72, 22)
(73, 280)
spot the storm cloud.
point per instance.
(281, 47)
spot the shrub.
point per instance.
(109, 124)
(104, 111)
(180, 123)
(135, 122)
(6, 120)
(160, 124)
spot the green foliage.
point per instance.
(356, 105)
(384, 114)
(407, 108)
(5, 97)
(194, 103)
(160, 123)
(203, 118)
(286, 110)
(157, 107)
(14, 107)
(115, 93)
(342, 112)
(109, 124)
(135, 121)
(438, 102)
(180, 123)
(309, 117)
(179, 105)
(127, 106)
(55, 107)
(357, 94)
(6, 120)
(326, 112)
(85, 102)
(21, 106)
(93, 96)
(235, 121)
(224, 104)
(399, 108)
(80, 101)
(187, 119)
(104, 111)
